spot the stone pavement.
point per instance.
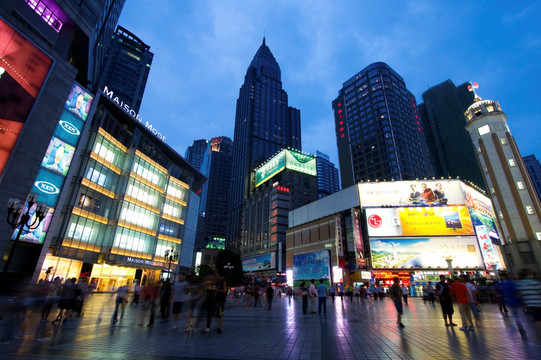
(348, 331)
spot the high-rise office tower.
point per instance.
(327, 175)
(513, 194)
(378, 130)
(449, 144)
(264, 125)
(126, 68)
(534, 169)
(44, 50)
(195, 153)
(101, 39)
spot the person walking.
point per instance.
(431, 293)
(446, 301)
(322, 297)
(165, 298)
(510, 300)
(180, 298)
(121, 299)
(405, 292)
(396, 295)
(50, 299)
(269, 292)
(529, 290)
(303, 291)
(333, 293)
(363, 292)
(66, 303)
(460, 293)
(313, 295)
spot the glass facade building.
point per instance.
(264, 125)
(327, 175)
(378, 130)
(128, 204)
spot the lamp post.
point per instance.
(448, 257)
(19, 220)
(170, 255)
(228, 268)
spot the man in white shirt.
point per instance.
(312, 295)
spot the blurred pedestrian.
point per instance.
(180, 298)
(51, 298)
(529, 290)
(120, 300)
(405, 293)
(363, 293)
(460, 293)
(446, 301)
(333, 293)
(511, 300)
(431, 293)
(322, 297)
(136, 294)
(269, 292)
(312, 293)
(472, 293)
(303, 292)
(165, 298)
(66, 303)
(396, 295)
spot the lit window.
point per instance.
(478, 149)
(503, 141)
(500, 215)
(529, 210)
(520, 185)
(490, 108)
(492, 191)
(485, 129)
(512, 162)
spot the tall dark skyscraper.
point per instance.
(264, 124)
(378, 130)
(534, 169)
(126, 68)
(327, 176)
(449, 144)
(195, 153)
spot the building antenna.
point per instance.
(472, 88)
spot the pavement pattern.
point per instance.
(349, 330)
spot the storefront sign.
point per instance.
(137, 261)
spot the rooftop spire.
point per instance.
(472, 88)
(264, 40)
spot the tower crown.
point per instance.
(480, 108)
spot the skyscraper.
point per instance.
(449, 144)
(195, 153)
(264, 125)
(378, 130)
(126, 68)
(513, 194)
(534, 169)
(327, 175)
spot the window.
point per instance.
(511, 162)
(95, 176)
(529, 210)
(485, 129)
(503, 141)
(520, 185)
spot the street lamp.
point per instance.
(17, 220)
(448, 256)
(170, 255)
(228, 268)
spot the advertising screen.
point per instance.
(426, 252)
(271, 168)
(474, 200)
(419, 221)
(214, 243)
(23, 70)
(58, 156)
(479, 218)
(289, 159)
(314, 265)
(490, 257)
(411, 193)
(259, 262)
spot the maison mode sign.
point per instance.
(132, 113)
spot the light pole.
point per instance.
(228, 268)
(170, 255)
(17, 220)
(448, 256)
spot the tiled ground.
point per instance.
(348, 331)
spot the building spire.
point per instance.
(264, 40)
(472, 88)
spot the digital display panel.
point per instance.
(313, 265)
(259, 262)
(286, 159)
(426, 252)
(58, 156)
(23, 70)
(214, 243)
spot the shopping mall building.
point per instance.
(372, 232)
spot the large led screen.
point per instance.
(58, 156)
(426, 252)
(259, 262)
(313, 265)
(286, 159)
(411, 193)
(23, 70)
(419, 221)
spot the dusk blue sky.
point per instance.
(203, 48)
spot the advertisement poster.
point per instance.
(448, 220)
(359, 245)
(491, 259)
(58, 156)
(426, 252)
(383, 222)
(289, 159)
(479, 218)
(259, 262)
(411, 193)
(314, 265)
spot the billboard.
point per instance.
(314, 265)
(23, 70)
(426, 252)
(259, 262)
(419, 221)
(490, 257)
(286, 159)
(214, 243)
(411, 193)
(474, 200)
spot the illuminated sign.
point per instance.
(359, 244)
(23, 70)
(411, 193)
(426, 252)
(259, 262)
(286, 159)
(314, 265)
(214, 243)
(490, 257)
(132, 113)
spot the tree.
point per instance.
(203, 270)
(233, 275)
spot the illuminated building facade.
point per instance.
(264, 125)
(45, 50)
(126, 67)
(131, 199)
(378, 131)
(195, 153)
(285, 182)
(512, 192)
(449, 144)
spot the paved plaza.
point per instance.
(348, 331)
